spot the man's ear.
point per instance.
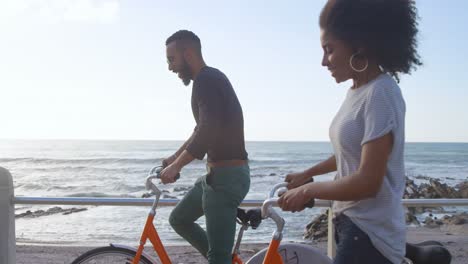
(188, 55)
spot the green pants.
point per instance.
(217, 196)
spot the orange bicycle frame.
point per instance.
(272, 256)
(150, 233)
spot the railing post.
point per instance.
(331, 247)
(7, 219)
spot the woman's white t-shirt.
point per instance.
(370, 112)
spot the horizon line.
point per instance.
(181, 140)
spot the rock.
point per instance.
(417, 210)
(272, 174)
(411, 190)
(431, 223)
(55, 210)
(27, 213)
(74, 210)
(427, 192)
(318, 228)
(182, 188)
(435, 189)
(443, 190)
(50, 211)
(146, 195)
(458, 219)
(462, 189)
(422, 177)
(411, 219)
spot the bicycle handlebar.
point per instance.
(155, 173)
(269, 212)
(279, 187)
(275, 188)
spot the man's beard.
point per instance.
(186, 74)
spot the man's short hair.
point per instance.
(185, 39)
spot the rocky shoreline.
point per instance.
(50, 211)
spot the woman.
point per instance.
(370, 42)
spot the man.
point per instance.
(219, 133)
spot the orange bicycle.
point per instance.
(115, 253)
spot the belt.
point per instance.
(226, 163)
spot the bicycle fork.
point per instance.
(272, 256)
(236, 251)
(150, 233)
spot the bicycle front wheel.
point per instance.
(107, 255)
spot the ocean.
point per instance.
(88, 168)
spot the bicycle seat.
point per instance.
(428, 243)
(428, 252)
(251, 217)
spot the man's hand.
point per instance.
(297, 179)
(169, 174)
(295, 200)
(168, 161)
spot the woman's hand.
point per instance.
(296, 199)
(297, 179)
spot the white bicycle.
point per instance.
(427, 252)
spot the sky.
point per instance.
(96, 69)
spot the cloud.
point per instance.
(56, 11)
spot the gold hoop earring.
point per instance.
(352, 67)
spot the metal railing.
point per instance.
(172, 202)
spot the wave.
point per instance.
(30, 186)
(86, 163)
(281, 161)
(101, 195)
(128, 188)
(80, 161)
(87, 169)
